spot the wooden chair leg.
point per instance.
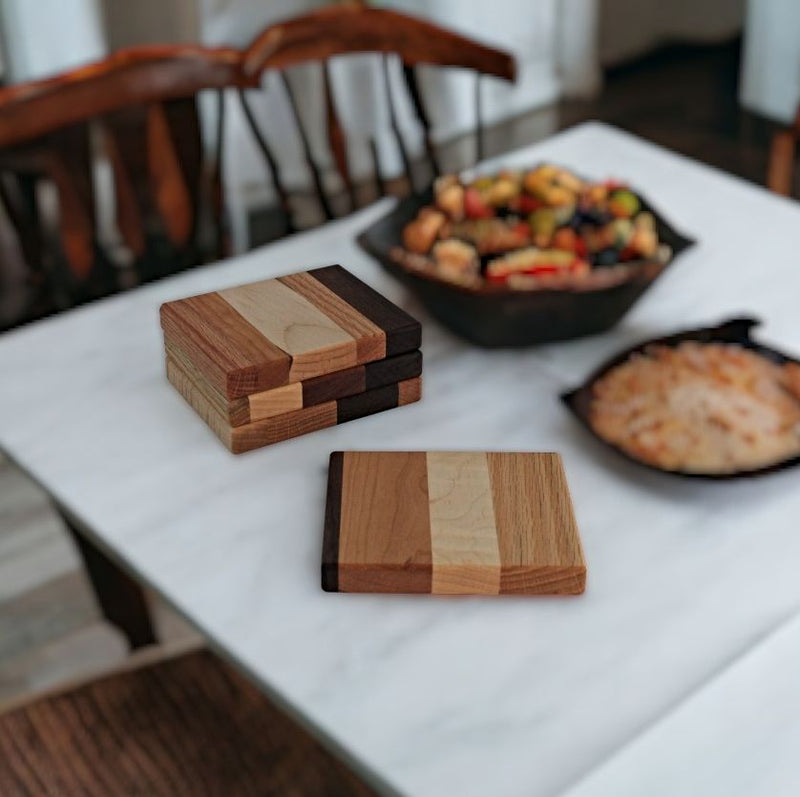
(780, 171)
(122, 600)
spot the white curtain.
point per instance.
(771, 69)
(43, 37)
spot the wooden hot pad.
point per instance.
(264, 362)
(289, 398)
(276, 332)
(450, 523)
(277, 428)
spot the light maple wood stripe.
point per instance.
(464, 546)
(387, 544)
(370, 338)
(316, 344)
(536, 529)
(276, 401)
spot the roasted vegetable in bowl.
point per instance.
(528, 229)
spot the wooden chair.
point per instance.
(355, 28)
(137, 112)
(781, 166)
(165, 727)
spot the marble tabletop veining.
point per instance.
(432, 697)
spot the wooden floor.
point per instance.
(50, 629)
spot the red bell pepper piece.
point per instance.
(475, 207)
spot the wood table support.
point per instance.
(121, 599)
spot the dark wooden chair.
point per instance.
(781, 166)
(347, 29)
(186, 725)
(137, 112)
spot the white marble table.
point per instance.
(468, 697)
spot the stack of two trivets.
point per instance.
(271, 360)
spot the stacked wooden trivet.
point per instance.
(264, 362)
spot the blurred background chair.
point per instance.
(110, 178)
(165, 725)
(105, 179)
(348, 29)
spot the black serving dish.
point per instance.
(495, 316)
(736, 330)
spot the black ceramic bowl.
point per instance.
(496, 316)
(737, 330)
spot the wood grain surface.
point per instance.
(450, 523)
(272, 333)
(296, 395)
(190, 725)
(276, 429)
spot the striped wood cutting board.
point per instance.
(450, 523)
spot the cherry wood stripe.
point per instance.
(370, 338)
(330, 539)
(462, 520)
(237, 411)
(403, 333)
(409, 391)
(536, 529)
(235, 357)
(373, 533)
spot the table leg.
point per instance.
(122, 600)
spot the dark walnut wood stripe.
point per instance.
(403, 333)
(186, 726)
(393, 369)
(234, 357)
(334, 386)
(367, 403)
(330, 537)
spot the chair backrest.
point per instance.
(354, 28)
(132, 116)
